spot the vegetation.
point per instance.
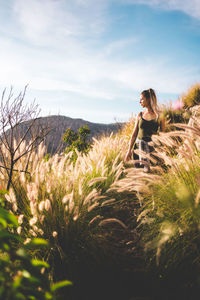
(70, 205)
(99, 214)
(192, 97)
(77, 141)
(175, 113)
(13, 140)
(170, 212)
(21, 275)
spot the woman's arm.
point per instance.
(133, 138)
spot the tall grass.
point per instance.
(71, 205)
(100, 208)
(169, 216)
(192, 96)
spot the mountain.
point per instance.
(59, 124)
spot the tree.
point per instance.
(77, 141)
(20, 132)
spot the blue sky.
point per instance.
(90, 59)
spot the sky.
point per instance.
(91, 59)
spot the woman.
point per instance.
(147, 123)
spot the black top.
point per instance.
(147, 128)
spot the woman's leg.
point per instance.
(136, 156)
(144, 147)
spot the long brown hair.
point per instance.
(150, 95)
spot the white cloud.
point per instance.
(189, 7)
(95, 76)
(115, 46)
(46, 20)
(52, 52)
(62, 60)
(50, 22)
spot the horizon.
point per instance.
(91, 62)
(115, 122)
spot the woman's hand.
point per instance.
(128, 155)
(133, 137)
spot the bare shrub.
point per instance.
(20, 132)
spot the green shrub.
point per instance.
(192, 97)
(21, 276)
(173, 116)
(77, 141)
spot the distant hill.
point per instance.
(59, 124)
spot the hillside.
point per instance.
(59, 124)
